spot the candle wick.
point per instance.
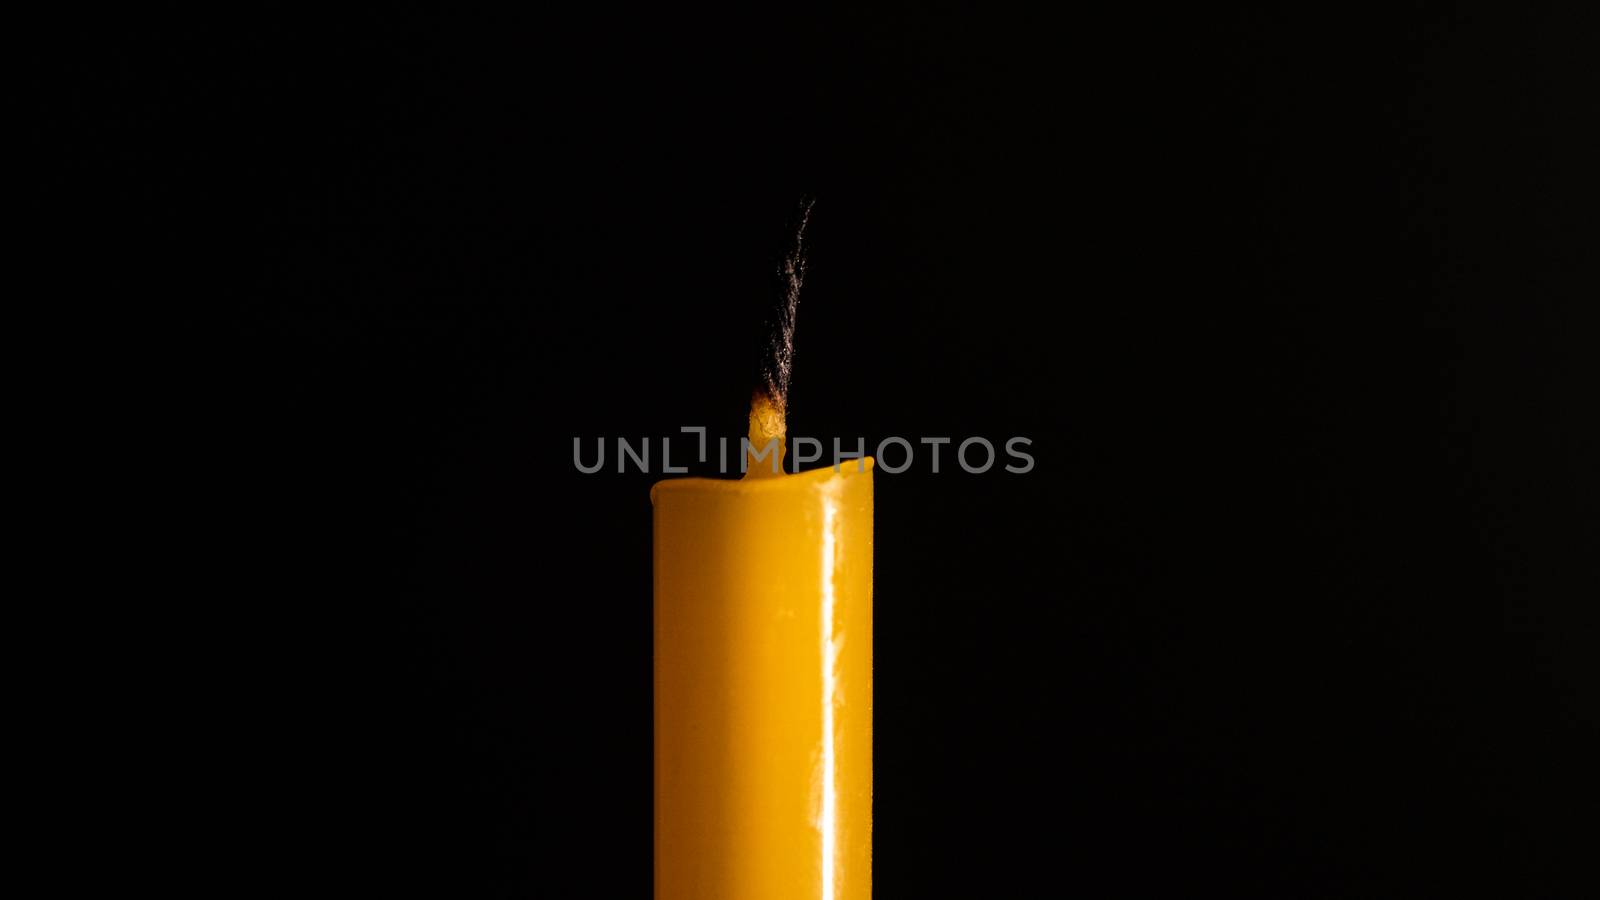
(769, 403)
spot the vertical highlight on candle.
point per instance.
(827, 821)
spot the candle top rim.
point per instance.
(809, 478)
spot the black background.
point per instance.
(1297, 602)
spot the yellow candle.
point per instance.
(763, 683)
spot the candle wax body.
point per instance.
(763, 687)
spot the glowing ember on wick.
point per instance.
(769, 402)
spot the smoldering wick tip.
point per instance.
(769, 402)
